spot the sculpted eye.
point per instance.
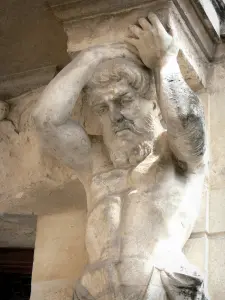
(126, 100)
(100, 109)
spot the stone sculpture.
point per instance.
(143, 180)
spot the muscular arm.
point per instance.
(180, 107)
(182, 113)
(63, 137)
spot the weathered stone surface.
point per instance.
(59, 248)
(87, 25)
(16, 84)
(216, 268)
(111, 29)
(196, 251)
(217, 122)
(60, 289)
(216, 259)
(75, 12)
(143, 184)
(37, 184)
(217, 210)
(43, 181)
(17, 231)
(59, 256)
(201, 224)
(31, 181)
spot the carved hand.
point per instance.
(154, 44)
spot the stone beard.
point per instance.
(143, 182)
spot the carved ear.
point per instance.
(156, 109)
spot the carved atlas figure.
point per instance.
(143, 181)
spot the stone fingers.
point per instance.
(131, 41)
(156, 23)
(145, 25)
(135, 30)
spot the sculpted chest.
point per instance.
(108, 180)
(150, 180)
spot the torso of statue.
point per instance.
(138, 218)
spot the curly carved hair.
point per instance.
(114, 70)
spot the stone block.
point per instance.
(17, 231)
(20, 83)
(52, 290)
(217, 143)
(60, 248)
(105, 29)
(217, 210)
(216, 268)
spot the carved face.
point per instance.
(126, 117)
(119, 94)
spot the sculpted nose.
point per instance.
(115, 115)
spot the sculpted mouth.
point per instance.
(126, 125)
(121, 129)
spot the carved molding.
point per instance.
(16, 84)
(211, 13)
(17, 230)
(192, 11)
(107, 21)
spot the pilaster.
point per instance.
(59, 256)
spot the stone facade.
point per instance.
(42, 185)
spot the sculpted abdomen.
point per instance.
(102, 229)
(125, 219)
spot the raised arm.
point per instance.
(65, 138)
(180, 107)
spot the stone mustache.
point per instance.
(143, 180)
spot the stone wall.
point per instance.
(206, 246)
(216, 220)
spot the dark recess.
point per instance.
(15, 273)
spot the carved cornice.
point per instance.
(211, 13)
(75, 11)
(16, 84)
(202, 17)
(87, 25)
